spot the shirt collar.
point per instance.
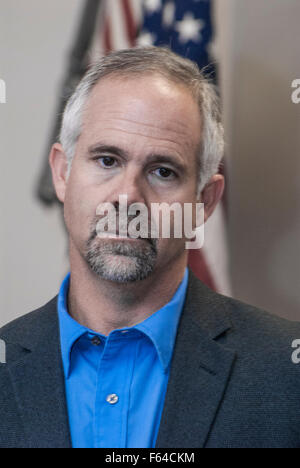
(70, 330)
(160, 327)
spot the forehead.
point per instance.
(142, 109)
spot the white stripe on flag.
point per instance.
(117, 20)
(137, 11)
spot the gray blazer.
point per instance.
(232, 381)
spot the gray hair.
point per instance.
(156, 60)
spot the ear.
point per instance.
(212, 194)
(59, 167)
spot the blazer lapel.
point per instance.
(38, 382)
(200, 371)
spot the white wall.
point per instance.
(259, 42)
(35, 37)
(261, 58)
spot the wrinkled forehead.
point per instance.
(149, 104)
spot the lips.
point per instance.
(118, 237)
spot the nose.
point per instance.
(131, 184)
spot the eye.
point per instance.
(107, 161)
(165, 173)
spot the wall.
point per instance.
(260, 59)
(35, 37)
(259, 51)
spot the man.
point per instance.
(135, 351)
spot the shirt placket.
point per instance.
(113, 391)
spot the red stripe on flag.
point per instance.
(107, 37)
(129, 23)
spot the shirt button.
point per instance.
(112, 399)
(96, 341)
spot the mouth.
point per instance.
(117, 237)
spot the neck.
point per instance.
(104, 306)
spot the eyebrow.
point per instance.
(150, 159)
(102, 148)
(161, 158)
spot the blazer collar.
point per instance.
(200, 370)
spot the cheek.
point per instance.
(187, 193)
(79, 209)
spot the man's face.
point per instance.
(139, 138)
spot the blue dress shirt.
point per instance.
(116, 384)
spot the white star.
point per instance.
(169, 14)
(152, 5)
(146, 39)
(213, 50)
(190, 28)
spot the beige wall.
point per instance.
(261, 58)
(259, 44)
(34, 40)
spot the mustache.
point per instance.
(95, 230)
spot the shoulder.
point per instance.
(29, 328)
(267, 347)
(245, 318)
(265, 328)
(255, 335)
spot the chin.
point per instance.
(121, 269)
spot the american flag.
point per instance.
(185, 26)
